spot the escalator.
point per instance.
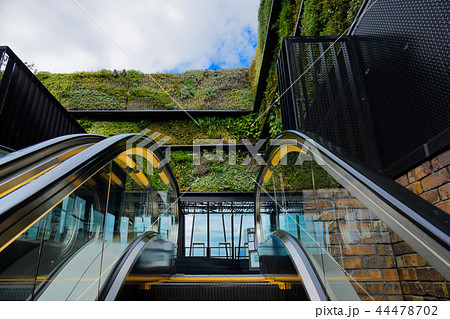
(5, 150)
(367, 237)
(102, 223)
(77, 204)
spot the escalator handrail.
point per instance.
(20, 209)
(19, 159)
(6, 149)
(305, 268)
(408, 204)
(122, 267)
(424, 224)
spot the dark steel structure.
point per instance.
(381, 93)
(325, 94)
(29, 113)
(403, 50)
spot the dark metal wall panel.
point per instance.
(404, 51)
(29, 113)
(382, 93)
(322, 92)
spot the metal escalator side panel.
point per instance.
(21, 158)
(32, 171)
(5, 150)
(318, 286)
(18, 168)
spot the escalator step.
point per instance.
(223, 291)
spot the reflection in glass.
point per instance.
(217, 229)
(353, 250)
(69, 252)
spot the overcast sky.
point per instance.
(161, 35)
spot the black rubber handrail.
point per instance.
(20, 209)
(122, 267)
(24, 157)
(6, 149)
(411, 211)
(312, 283)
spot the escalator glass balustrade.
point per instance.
(67, 252)
(363, 242)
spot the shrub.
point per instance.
(182, 157)
(209, 93)
(85, 123)
(92, 100)
(243, 127)
(110, 128)
(188, 89)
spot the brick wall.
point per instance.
(383, 265)
(431, 181)
(358, 240)
(419, 281)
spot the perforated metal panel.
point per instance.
(404, 50)
(323, 93)
(382, 93)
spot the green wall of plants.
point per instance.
(182, 132)
(226, 89)
(212, 174)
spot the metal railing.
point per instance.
(325, 94)
(381, 92)
(223, 251)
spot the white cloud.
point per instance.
(163, 35)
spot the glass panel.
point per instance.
(242, 222)
(274, 258)
(141, 199)
(228, 224)
(354, 250)
(220, 239)
(59, 255)
(196, 234)
(70, 260)
(69, 252)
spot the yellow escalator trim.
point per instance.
(12, 189)
(164, 178)
(145, 153)
(283, 282)
(278, 155)
(283, 151)
(267, 176)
